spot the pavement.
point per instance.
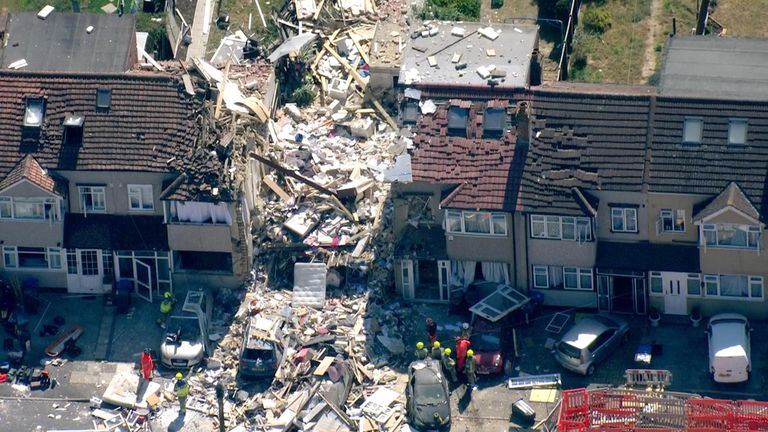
(111, 343)
(201, 25)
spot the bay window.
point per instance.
(29, 208)
(20, 257)
(733, 286)
(470, 222)
(730, 236)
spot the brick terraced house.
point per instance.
(621, 198)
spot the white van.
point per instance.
(730, 360)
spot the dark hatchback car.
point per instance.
(428, 406)
(260, 357)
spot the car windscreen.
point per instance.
(569, 350)
(187, 329)
(485, 342)
(258, 354)
(429, 394)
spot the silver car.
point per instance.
(589, 342)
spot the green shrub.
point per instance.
(596, 19)
(303, 96)
(450, 10)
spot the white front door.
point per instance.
(143, 280)
(675, 293)
(89, 277)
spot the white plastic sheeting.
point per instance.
(200, 212)
(309, 280)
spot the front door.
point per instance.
(143, 280)
(604, 293)
(444, 279)
(89, 272)
(674, 293)
(406, 281)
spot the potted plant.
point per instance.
(654, 317)
(695, 316)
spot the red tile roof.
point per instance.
(483, 169)
(150, 121)
(29, 169)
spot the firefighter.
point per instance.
(470, 370)
(462, 345)
(449, 366)
(465, 332)
(181, 388)
(165, 308)
(436, 353)
(147, 367)
(421, 352)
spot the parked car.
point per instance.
(730, 358)
(590, 341)
(186, 339)
(428, 406)
(260, 357)
(485, 341)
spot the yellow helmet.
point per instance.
(419, 345)
(167, 294)
(470, 353)
(179, 375)
(447, 351)
(436, 344)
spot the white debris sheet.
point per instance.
(309, 284)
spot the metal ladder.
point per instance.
(531, 381)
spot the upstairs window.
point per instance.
(73, 130)
(33, 115)
(494, 122)
(731, 236)
(103, 98)
(737, 131)
(29, 208)
(672, 220)
(624, 219)
(93, 199)
(692, 128)
(469, 222)
(140, 197)
(458, 118)
(561, 228)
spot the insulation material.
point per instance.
(309, 280)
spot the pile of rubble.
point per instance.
(333, 375)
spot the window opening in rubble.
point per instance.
(33, 115)
(410, 113)
(457, 121)
(203, 261)
(494, 122)
(103, 98)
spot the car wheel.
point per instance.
(590, 370)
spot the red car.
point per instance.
(486, 343)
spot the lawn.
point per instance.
(745, 18)
(239, 12)
(616, 55)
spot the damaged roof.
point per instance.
(28, 169)
(583, 138)
(61, 42)
(482, 168)
(502, 50)
(148, 121)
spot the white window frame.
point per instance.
(672, 215)
(94, 191)
(452, 215)
(742, 139)
(34, 112)
(578, 272)
(654, 275)
(546, 275)
(691, 135)
(754, 233)
(54, 259)
(8, 210)
(622, 214)
(561, 221)
(139, 192)
(697, 278)
(751, 280)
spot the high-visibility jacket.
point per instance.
(166, 306)
(181, 388)
(421, 354)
